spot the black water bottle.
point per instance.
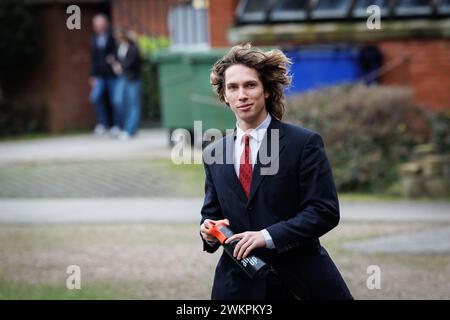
(253, 266)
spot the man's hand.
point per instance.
(117, 68)
(207, 224)
(249, 240)
(92, 81)
(110, 59)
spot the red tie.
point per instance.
(245, 168)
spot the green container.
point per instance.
(186, 94)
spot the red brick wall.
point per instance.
(150, 17)
(221, 18)
(427, 70)
(147, 17)
(59, 77)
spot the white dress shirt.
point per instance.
(256, 137)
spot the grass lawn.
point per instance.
(166, 261)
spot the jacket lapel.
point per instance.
(267, 141)
(229, 172)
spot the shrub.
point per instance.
(441, 130)
(19, 36)
(149, 76)
(18, 39)
(21, 118)
(367, 131)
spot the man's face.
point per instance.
(100, 24)
(244, 92)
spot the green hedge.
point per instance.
(440, 121)
(22, 118)
(19, 49)
(367, 131)
(149, 75)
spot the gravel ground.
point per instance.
(161, 260)
(99, 179)
(165, 261)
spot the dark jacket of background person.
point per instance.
(296, 206)
(99, 66)
(131, 63)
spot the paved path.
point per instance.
(427, 241)
(396, 210)
(188, 210)
(41, 211)
(149, 143)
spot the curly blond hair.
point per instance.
(272, 67)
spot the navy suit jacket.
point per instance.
(99, 66)
(296, 205)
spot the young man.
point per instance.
(278, 214)
(102, 78)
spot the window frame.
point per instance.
(443, 9)
(402, 11)
(290, 15)
(253, 17)
(330, 14)
(362, 12)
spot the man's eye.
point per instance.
(251, 85)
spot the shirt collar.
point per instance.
(257, 133)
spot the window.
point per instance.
(413, 7)
(360, 9)
(444, 7)
(252, 10)
(290, 10)
(325, 9)
(188, 27)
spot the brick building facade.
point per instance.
(416, 49)
(60, 78)
(426, 69)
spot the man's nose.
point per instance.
(242, 95)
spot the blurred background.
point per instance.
(120, 209)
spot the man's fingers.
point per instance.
(240, 244)
(234, 237)
(203, 228)
(206, 236)
(208, 223)
(244, 248)
(237, 247)
(248, 250)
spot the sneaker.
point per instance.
(124, 136)
(114, 132)
(99, 130)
